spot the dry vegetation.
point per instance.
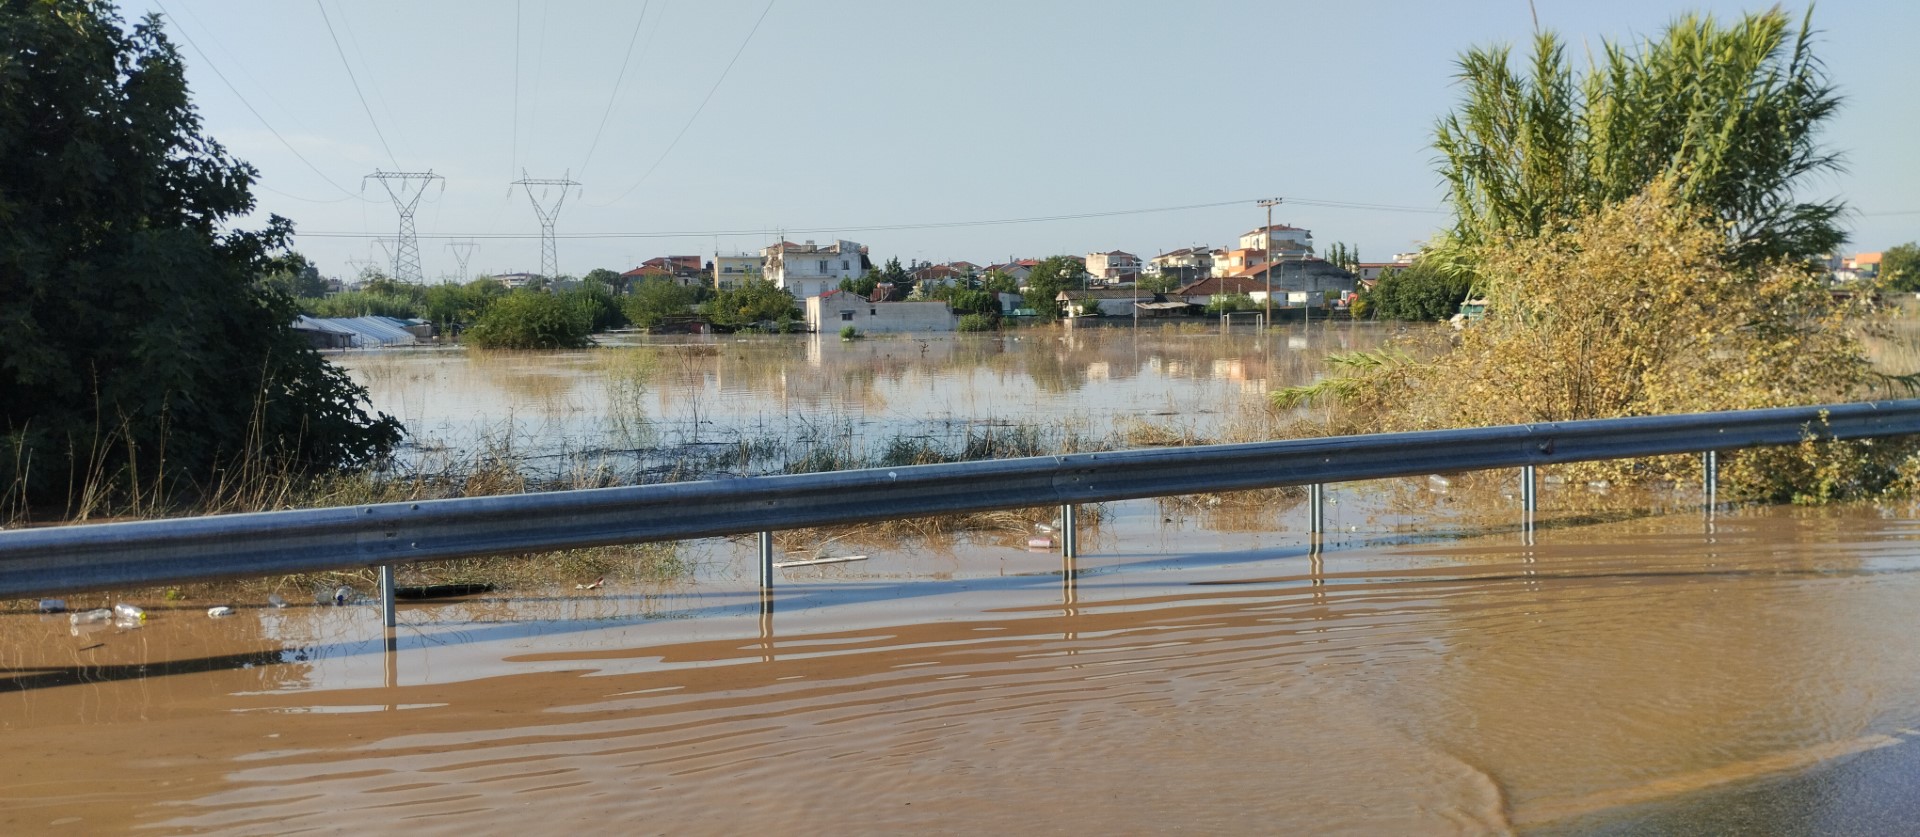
(1636, 311)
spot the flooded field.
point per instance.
(647, 402)
(1632, 665)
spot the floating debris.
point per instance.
(442, 591)
(218, 611)
(598, 583)
(1042, 542)
(808, 562)
(130, 613)
(276, 600)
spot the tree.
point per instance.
(756, 301)
(293, 275)
(615, 282)
(532, 320)
(1157, 283)
(864, 285)
(1342, 255)
(999, 282)
(138, 350)
(1900, 267)
(655, 299)
(1053, 275)
(1416, 292)
(1732, 113)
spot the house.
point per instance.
(1211, 288)
(809, 270)
(1113, 266)
(1184, 265)
(1278, 236)
(834, 310)
(1018, 269)
(682, 270)
(930, 275)
(1229, 262)
(515, 281)
(731, 271)
(1103, 302)
(1315, 277)
(1865, 264)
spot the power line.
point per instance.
(617, 79)
(822, 230)
(696, 111)
(356, 84)
(256, 114)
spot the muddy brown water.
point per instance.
(1223, 682)
(1633, 667)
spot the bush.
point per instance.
(849, 333)
(532, 320)
(979, 322)
(1231, 303)
(1640, 310)
(361, 304)
(1417, 293)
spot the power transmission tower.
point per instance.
(462, 251)
(549, 249)
(405, 188)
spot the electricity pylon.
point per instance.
(405, 188)
(462, 251)
(549, 250)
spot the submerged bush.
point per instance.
(532, 320)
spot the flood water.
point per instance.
(1635, 665)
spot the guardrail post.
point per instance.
(386, 595)
(1529, 500)
(1710, 478)
(1069, 532)
(766, 560)
(1317, 508)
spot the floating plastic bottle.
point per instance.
(129, 612)
(218, 611)
(343, 595)
(276, 600)
(87, 617)
(53, 605)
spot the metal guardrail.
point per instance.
(81, 558)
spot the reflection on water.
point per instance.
(683, 391)
(1477, 685)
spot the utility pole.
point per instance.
(462, 251)
(1266, 239)
(405, 188)
(549, 250)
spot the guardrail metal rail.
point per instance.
(68, 559)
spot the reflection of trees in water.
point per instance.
(545, 381)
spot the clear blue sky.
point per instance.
(842, 114)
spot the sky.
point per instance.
(704, 126)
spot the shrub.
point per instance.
(979, 322)
(532, 320)
(849, 333)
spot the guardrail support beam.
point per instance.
(1710, 478)
(386, 595)
(1317, 508)
(766, 560)
(1069, 532)
(1529, 499)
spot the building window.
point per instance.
(873, 312)
(823, 265)
(846, 316)
(846, 265)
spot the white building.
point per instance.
(1113, 266)
(732, 271)
(1286, 239)
(834, 310)
(809, 270)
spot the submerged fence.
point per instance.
(67, 559)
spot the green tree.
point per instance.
(999, 282)
(1053, 275)
(1417, 292)
(1732, 113)
(656, 299)
(1900, 267)
(532, 320)
(596, 300)
(864, 285)
(291, 274)
(1158, 283)
(137, 346)
(615, 282)
(756, 301)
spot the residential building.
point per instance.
(1315, 277)
(833, 310)
(1103, 302)
(1019, 269)
(514, 281)
(1113, 266)
(1214, 287)
(1184, 265)
(1369, 272)
(1278, 236)
(731, 271)
(1865, 264)
(683, 270)
(930, 275)
(809, 270)
(1229, 262)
